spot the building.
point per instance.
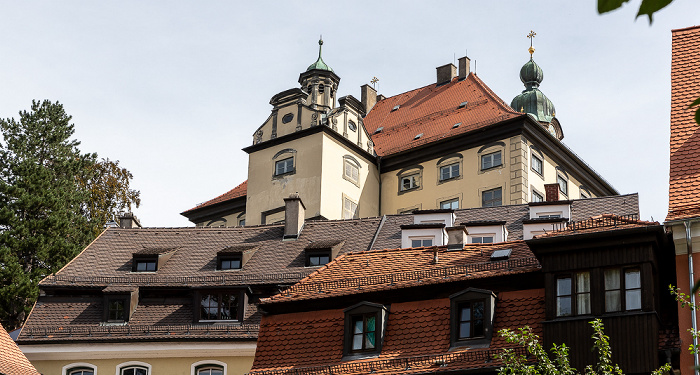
(12, 360)
(183, 301)
(450, 144)
(437, 310)
(684, 184)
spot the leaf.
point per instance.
(693, 104)
(697, 120)
(605, 6)
(649, 7)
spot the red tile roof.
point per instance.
(600, 223)
(433, 110)
(12, 360)
(360, 272)
(417, 339)
(237, 192)
(684, 182)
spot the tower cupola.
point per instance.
(320, 83)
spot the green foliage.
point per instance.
(697, 119)
(542, 364)
(48, 190)
(685, 301)
(647, 7)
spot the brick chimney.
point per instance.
(294, 211)
(456, 237)
(464, 67)
(368, 96)
(551, 192)
(445, 73)
(128, 220)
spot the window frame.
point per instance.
(240, 305)
(364, 309)
(144, 259)
(450, 201)
(563, 183)
(483, 198)
(221, 258)
(540, 160)
(574, 294)
(415, 182)
(356, 205)
(450, 168)
(483, 157)
(536, 193)
(132, 364)
(203, 364)
(355, 167)
(317, 253)
(457, 301)
(286, 161)
(623, 289)
(67, 369)
(482, 236)
(422, 239)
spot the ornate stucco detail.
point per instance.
(258, 136)
(314, 119)
(334, 121)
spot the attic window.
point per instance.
(229, 262)
(456, 125)
(151, 259)
(502, 254)
(418, 136)
(322, 252)
(463, 104)
(396, 107)
(379, 130)
(145, 264)
(234, 257)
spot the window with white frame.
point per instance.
(210, 370)
(422, 241)
(79, 369)
(284, 166)
(536, 164)
(491, 160)
(573, 294)
(448, 172)
(482, 238)
(349, 209)
(563, 184)
(492, 198)
(623, 289)
(208, 367)
(351, 171)
(410, 182)
(537, 197)
(451, 204)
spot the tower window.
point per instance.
(352, 125)
(563, 184)
(284, 166)
(287, 118)
(537, 164)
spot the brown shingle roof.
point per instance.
(237, 192)
(356, 273)
(684, 181)
(417, 339)
(12, 360)
(433, 110)
(600, 223)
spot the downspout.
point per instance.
(691, 278)
(379, 173)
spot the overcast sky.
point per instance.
(175, 89)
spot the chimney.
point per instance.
(551, 192)
(445, 73)
(128, 220)
(456, 237)
(368, 96)
(464, 67)
(294, 211)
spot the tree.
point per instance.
(647, 7)
(519, 364)
(49, 191)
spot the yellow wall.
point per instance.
(159, 366)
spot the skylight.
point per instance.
(418, 136)
(463, 104)
(396, 107)
(502, 254)
(456, 125)
(379, 130)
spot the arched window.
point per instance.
(79, 369)
(133, 368)
(209, 367)
(210, 370)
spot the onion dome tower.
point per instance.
(534, 101)
(320, 82)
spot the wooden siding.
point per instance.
(633, 339)
(608, 256)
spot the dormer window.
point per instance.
(151, 259)
(145, 264)
(220, 305)
(119, 303)
(116, 310)
(322, 252)
(364, 330)
(472, 312)
(486, 231)
(234, 257)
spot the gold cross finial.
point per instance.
(374, 82)
(531, 35)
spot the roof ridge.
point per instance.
(492, 94)
(207, 203)
(686, 28)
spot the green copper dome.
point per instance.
(532, 100)
(319, 64)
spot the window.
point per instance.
(537, 197)
(81, 371)
(471, 317)
(116, 310)
(451, 204)
(536, 164)
(563, 184)
(241, 223)
(449, 171)
(409, 182)
(287, 118)
(574, 294)
(491, 198)
(623, 288)
(584, 195)
(364, 329)
(491, 160)
(349, 209)
(549, 215)
(229, 262)
(482, 239)
(420, 242)
(219, 306)
(210, 370)
(352, 126)
(284, 166)
(134, 370)
(351, 171)
(148, 264)
(471, 320)
(317, 259)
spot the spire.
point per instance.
(319, 64)
(532, 100)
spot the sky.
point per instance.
(175, 89)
